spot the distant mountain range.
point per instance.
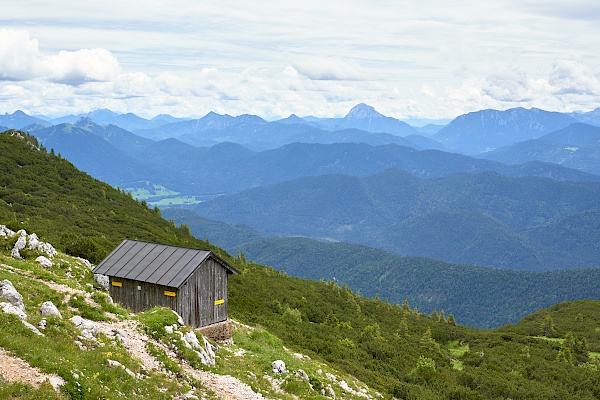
(485, 130)
(365, 178)
(122, 158)
(576, 146)
(482, 219)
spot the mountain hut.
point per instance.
(191, 282)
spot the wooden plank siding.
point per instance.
(149, 295)
(197, 296)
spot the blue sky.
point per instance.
(408, 59)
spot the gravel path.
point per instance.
(13, 369)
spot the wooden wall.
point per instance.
(141, 296)
(200, 301)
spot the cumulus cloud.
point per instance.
(19, 56)
(321, 68)
(509, 85)
(570, 77)
(21, 60)
(81, 66)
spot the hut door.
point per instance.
(220, 293)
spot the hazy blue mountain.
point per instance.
(211, 121)
(579, 134)
(571, 241)
(127, 121)
(366, 118)
(425, 143)
(591, 117)
(36, 127)
(464, 237)
(230, 237)
(293, 119)
(429, 129)
(577, 146)
(162, 119)
(93, 154)
(18, 120)
(486, 130)
(231, 168)
(471, 218)
(258, 134)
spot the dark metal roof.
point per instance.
(155, 263)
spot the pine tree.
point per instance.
(451, 320)
(547, 326)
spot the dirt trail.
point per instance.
(13, 369)
(224, 386)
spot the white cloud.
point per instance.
(21, 60)
(81, 66)
(19, 56)
(322, 68)
(509, 85)
(273, 59)
(570, 77)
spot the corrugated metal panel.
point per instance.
(153, 263)
(176, 279)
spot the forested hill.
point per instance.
(76, 212)
(478, 297)
(394, 349)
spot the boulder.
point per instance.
(44, 262)
(49, 309)
(5, 232)
(19, 244)
(192, 340)
(300, 373)
(33, 241)
(47, 249)
(88, 329)
(103, 281)
(11, 309)
(33, 328)
(278, 367)
(10, 294)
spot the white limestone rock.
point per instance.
(11, 309)
(19, 244)
(44, 262)
(6, 232)
(33, 241)
(192, 340)
(47, 249)
(89, 330)
(85, 262)
(300, 373)
(103, 281)
(278, 367)
(10, 294)
(33, 328)
(116, 364)
(49, 309)
(179, 319)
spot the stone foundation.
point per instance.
(220, 332)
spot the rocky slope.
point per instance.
(52, 302)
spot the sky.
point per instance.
(409, 59)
